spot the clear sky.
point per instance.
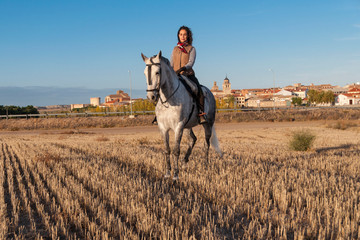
(94, 44)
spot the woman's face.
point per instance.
(183, 35)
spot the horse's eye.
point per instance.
(157, 73)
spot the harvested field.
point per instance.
(108, 184)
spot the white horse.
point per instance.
(176, 110)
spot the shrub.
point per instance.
(302, 140)
(342, 125)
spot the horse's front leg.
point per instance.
(192, 140)
(165, 134)
(176, 151)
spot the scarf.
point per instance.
(182, 46)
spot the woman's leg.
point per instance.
(200, 99)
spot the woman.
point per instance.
(183, 59)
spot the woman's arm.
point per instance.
(171, 59)
(192, 57)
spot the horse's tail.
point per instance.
(215, 142)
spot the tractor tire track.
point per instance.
(7, 197)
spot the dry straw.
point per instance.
(79, 188)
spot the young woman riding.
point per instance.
(182, 60)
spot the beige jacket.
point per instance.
(180, 59)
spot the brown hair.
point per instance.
(189, 34)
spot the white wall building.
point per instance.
(284, 92)
(302, 94)
(347, 99)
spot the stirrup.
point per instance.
(202, 118)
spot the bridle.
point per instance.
(157, 88)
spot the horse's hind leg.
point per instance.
(208, 131)
(192, 140)
(165, 135)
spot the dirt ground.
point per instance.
(154, 129)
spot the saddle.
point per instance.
(189, 85)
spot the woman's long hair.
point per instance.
(189, 34)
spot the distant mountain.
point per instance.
(44, 96)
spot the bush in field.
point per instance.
(342, 125)
(302, 140)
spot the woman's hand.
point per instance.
(180, 70)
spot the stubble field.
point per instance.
(108, 184)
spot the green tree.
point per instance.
(320, 96)
(229, 101)
(312, 96)
(296, 101)
(218, 106)
(329, 97)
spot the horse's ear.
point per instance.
(159, 54)
(144, 57)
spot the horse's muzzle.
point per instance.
(152, 96)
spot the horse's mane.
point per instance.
(165, 60)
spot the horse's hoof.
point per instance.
(184, 165)
(167, 175)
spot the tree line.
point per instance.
(14, 110)
(316, 97)
(137, 106)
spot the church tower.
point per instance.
(226, 86)
(215, 87)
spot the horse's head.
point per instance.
(153, 76)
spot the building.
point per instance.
(268, 101)
(215, 91)
(352, 97)
(95, 101)
(79, 106)
(284, 92)
(320, 87)
(338, 90)
(347, 99)
(240, 100)
(353, 85)
(118, 99)
(120, 96)
(354, 91)
(226, 86)
(302, 93)
(219, 94)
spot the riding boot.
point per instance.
(202, 114)
(154, 122)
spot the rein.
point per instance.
(149, 75)
(157, 89)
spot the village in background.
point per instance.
(228, 98)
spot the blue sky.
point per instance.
(94, 44)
